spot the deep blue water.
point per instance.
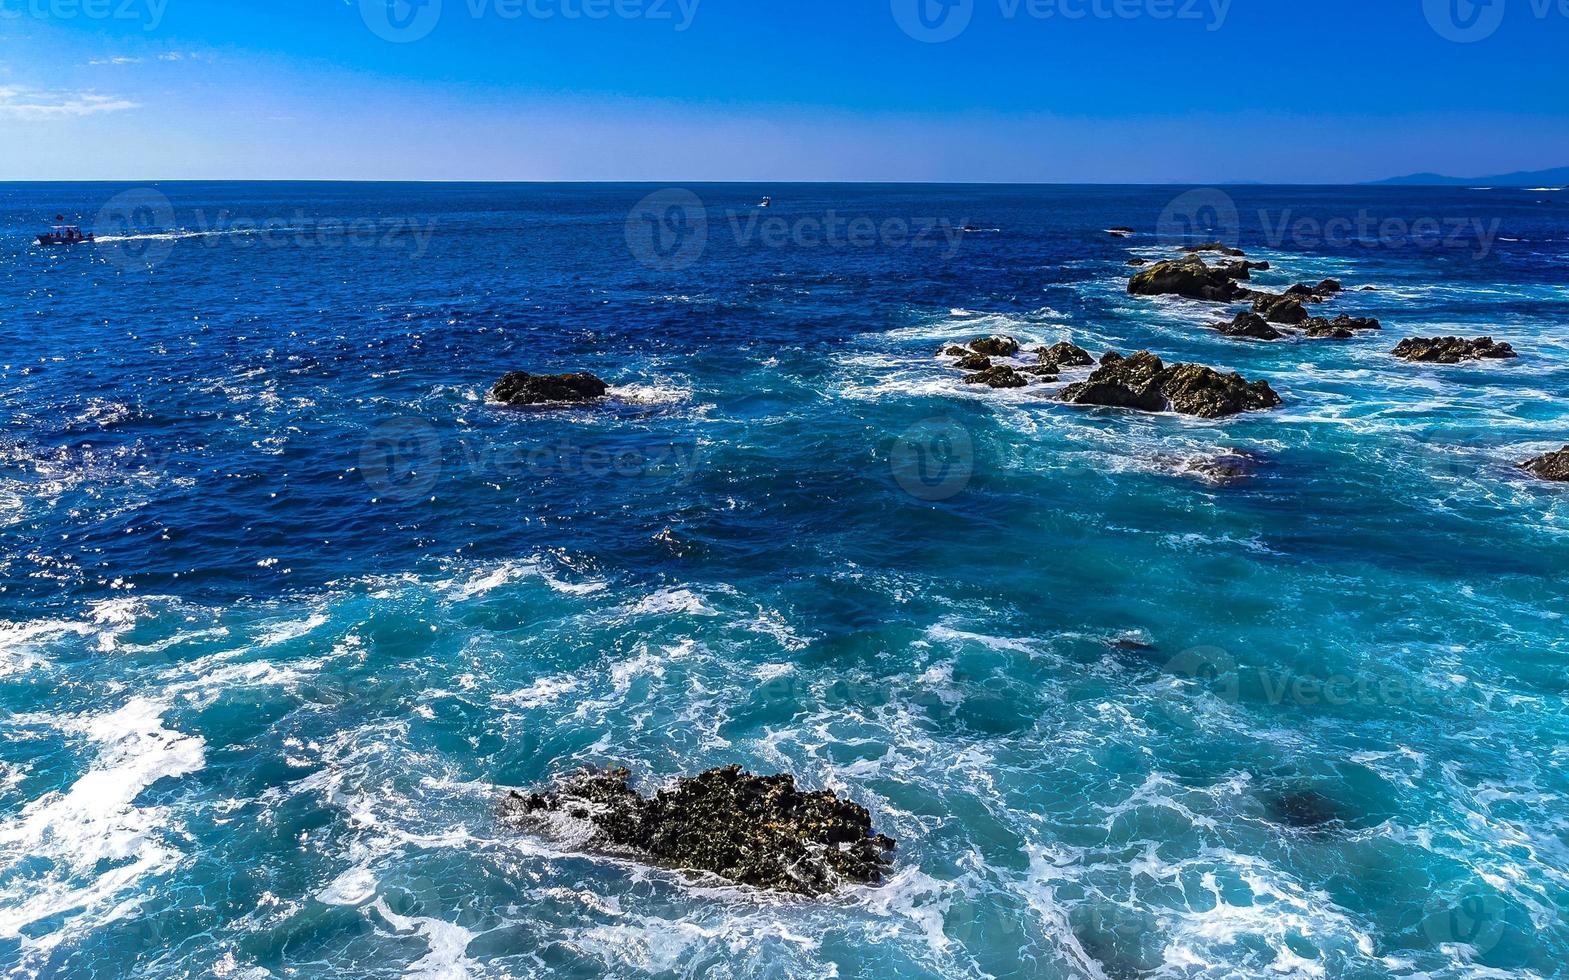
(285, 605)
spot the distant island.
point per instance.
(1524, 178)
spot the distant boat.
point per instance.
(767, 202)
(65, 234)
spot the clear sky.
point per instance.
(775, 90)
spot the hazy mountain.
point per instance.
(1526, 178)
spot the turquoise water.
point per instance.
(285, 606)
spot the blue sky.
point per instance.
(990, 90)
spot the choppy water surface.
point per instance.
(285, 606)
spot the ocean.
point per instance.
(286, 607)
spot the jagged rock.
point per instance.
(1553, 466)
(1242, 271)
(1285, 310)
(1315, 294)
(1229, 467)
(1220, 247)
(975, 362)
(1145, 383)
(1110, 357)
(995, 346)
(1066, 354)
(521, 388)
(753, 830)
(954, 350)
(1251, 326)
(1342, 327)
(1189, 277)
(998, 377)
(1451, 350)
(1045, 372)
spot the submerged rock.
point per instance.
(1222, 470)
(995, 346)
(1121, 232)
(1342, 327)
(521, 388)
(1304, 809)
(753, 830)
(1251, 326)
(1190, 278)
(1451, 350)
(1066, 354)
(1285, 310)
(1220, 247)
(1145, 383)
(1138, 262)
(998, 377)
(1552, 466)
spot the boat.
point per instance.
(62, 234)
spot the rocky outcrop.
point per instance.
(974, 362)
(1315, 294)
(1190, 278)
(1220, 247)
(998, 377)
(1065, 355)
(1242, 271)
(1286, 310)
(1452, 350)
(1342, 327)
(752, 830)
(1145, 383)
(1553, 466)
(995, 346)
(521, 389)
(1250, 326)
(954, 350)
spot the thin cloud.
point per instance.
(31, 104)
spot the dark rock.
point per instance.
(995, 346)
(1066, 354)
(1329, 287)
(975, 362)
(1046, 372)
(1225, 469)
(953, 350)
(1110, 357)
(1249, 325)
(1553, 466)
(1369, 289)
(1304, 810)
(998, 377)
(1280, 309)
(1220, 247)
(1342, 327)
(521, 388)
(1451, 350)
(1189, 277)
(1143, 382)
(753, 830)
(1242, 271)
(1138, 262)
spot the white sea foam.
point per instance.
(448, 945)
(98, 844)
(354, 887)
